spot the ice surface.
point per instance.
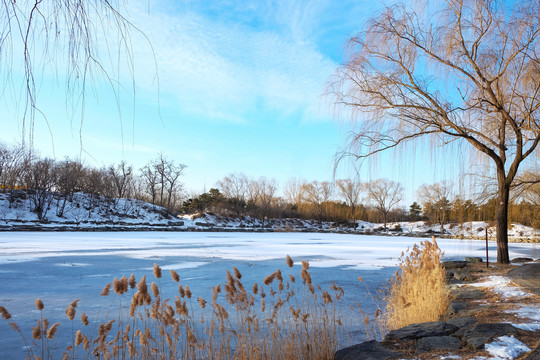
(61, 267)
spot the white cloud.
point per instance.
(230, 71)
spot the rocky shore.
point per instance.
(476, 318)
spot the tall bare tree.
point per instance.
(470, 74)
(435, 201)
(350, 191)
(384, 194)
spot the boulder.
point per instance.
(434, 343)
(369, 350)
(480, 334)
(468, 293)
(455, 307)
(473, 259)
(462, 322)
(534, 355)
(521, 260)
(417, 331)
(528, 276)
(454, 264)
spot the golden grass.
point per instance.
(418, 290)
(282, 319)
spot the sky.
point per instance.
(220, 86)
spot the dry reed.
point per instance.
(280, 319)
(418, 290)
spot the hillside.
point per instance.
(84, 212)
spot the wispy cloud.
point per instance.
(231, 70)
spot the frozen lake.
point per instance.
(61, 267)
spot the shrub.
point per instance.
(418, 291)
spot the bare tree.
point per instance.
(384, 194)
(350, 191)
(40, 181)
(266, 190)
(293, 193)
(161, 180)
(235, 188)
(435, 201)
(468, 75)
(69, 175)
(14, 163)
(122, 179)
(318, 193)
(73, 39)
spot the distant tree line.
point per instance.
(43, 181)
(346, 200)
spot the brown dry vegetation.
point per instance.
(281, 318)
(418, 290)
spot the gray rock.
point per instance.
(534, 355)
(521, 260)
(369, 350)
(473, 259)
(463, 276)
(528, 276)
(455, 307)
(454, 264)
(417, 331)
(466, 292)
(480, 334)
(462, 322)
(437, 343)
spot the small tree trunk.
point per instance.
(501, 217)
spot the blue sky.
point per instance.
(241, 89)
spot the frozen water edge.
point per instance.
(356, 251)
(61, 267)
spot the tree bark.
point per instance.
(501, 218)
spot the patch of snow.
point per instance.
(506, 347)
(527, 326)
(531, 312)
(501, 285)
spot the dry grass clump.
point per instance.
(418, 290)
(280, 319)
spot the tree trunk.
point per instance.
(501, 217)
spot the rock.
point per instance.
(521, 260)
(416, 331)
(528, 276)
(432, 343)
(454, 264)
(534, 355)
(369, 350)
(463, 276)
(462, 322)
(473, 259)
(480, 334)
(455, 307)
(466, 292)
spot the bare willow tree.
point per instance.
(468, 73)
(76, 40)
(350, 191)
(385, 195)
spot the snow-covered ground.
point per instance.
(61, 267)
(87, 213)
